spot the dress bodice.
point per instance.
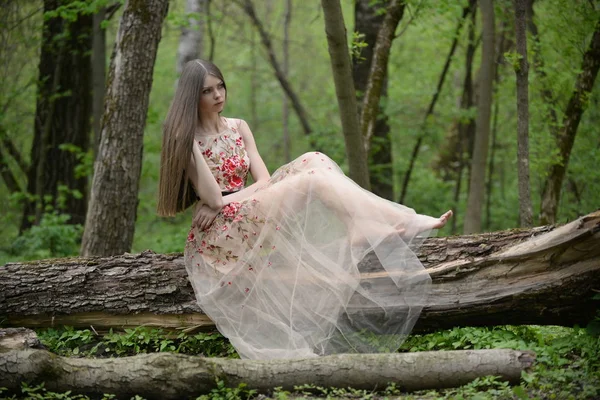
(226, 157)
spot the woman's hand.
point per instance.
(204, 217)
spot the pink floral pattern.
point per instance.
(227, 158)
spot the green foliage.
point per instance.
(514, 59)
(39, 392)
(68, 341)
(85, 166)
(358, 43)
(53, 237)
(567, 361)
(72, 9)
(222, 392)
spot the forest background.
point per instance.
(426, 34)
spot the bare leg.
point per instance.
(443, 219)
(405, 222)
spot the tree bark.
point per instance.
(110, 221)
(522, 72)
(98, 75)
(335, 30)
(18, 339)
(368, 20)
(566, 135)
(176, 376)
(472, 222)
(63, 114)
(378, 72)
(281, 77)
(542, 276)
(191, 39)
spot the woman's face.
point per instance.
(212, 98)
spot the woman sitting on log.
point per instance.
(276, 264)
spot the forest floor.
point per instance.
(567, 362)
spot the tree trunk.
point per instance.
(501, 43)
(285, 111)
(18, 339)
(9, 178)
(110, 222)
(176, 376)
(63, 114)
(541, 276)
(191, 39)
(522, 72)
(378, 72)
(212, 40)
(335, 30)
(368, 19)
(486, 82)
(279, 74)
(566, 135)
(98, 75)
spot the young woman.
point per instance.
(286, 266)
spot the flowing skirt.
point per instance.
(311, 264)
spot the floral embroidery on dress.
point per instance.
(233, 228)
(227, 159)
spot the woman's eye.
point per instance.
(207, 91)
(221, 85)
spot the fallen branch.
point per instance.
(175, 376)
(544, 275)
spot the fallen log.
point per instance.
(18, 339)
(176, 376)
(544, 275)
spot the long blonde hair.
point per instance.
(175, 192)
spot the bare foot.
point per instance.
(443, 219)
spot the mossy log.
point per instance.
(545, 275)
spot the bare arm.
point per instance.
(203, 181)
(258, 169)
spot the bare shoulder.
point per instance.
(242, 127)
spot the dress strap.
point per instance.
(232, 123)
(228, 122)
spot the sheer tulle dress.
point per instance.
(283, 273)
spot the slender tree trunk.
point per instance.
(417, 146)
(566, 135)
(192, 34)
(98, 75)
(110, 221)
(8, 176)
(501, 44)
(254, 83)
(281, 77)
(378, 73)
(211, 34)
(522, 72)
(335, 30)
(480, 150)
(63, 114)
(11, 149)
(368, 19)
(466, 127)
(538, 66)
(286, 69)
(177, 376)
